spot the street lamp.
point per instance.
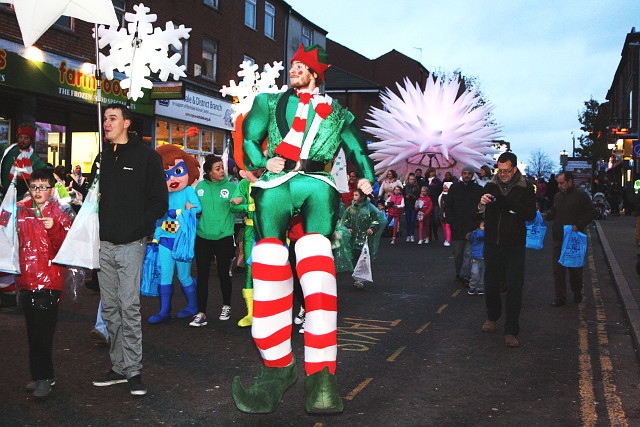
(564, 159)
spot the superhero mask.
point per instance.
(177, 176)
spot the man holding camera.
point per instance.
(509, 201)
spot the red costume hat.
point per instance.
(27, 129)
(315, 57)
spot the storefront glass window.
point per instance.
(177, 134)
(207, 141)
(218, 142)
(85, 149)
(162, 132)
(193, 138)
(50, 142)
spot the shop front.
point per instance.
(59, 95)
(199, 123)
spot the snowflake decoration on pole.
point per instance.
(431, 128)
(141, 50)
(251, 84)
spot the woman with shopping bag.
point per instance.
(366, 224)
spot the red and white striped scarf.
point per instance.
(21, 166)
(291, 145)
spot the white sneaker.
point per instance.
(447, 244)
(426, 240)
(226, 313)
(358, 284)
(412, 239)
(408, 238)
(199, 320)
(419, 242)
(299, 319)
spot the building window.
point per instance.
(119, 7)
(248, 59)
(269, 20)
(631, 121)
(212, 3)
(184, 51)
(250, 13)
(194, 139)
(64, 22)
(209, 59)
(307, 36)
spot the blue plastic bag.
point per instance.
(150, 277)
(185, 237)
(536, 231)
(574, 248)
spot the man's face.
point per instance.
(418, 173)
(300, 77)
(77, 169)
(506, 171)
(24, 141)
(115, 126)
(467, 176)
(563, 183)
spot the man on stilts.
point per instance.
(305, 130)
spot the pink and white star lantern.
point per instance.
(433, 127)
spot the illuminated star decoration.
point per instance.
(36, 16)
(141, 50)
(434, 127)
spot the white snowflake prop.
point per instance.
(141, 50)
(251, 84)
(433, 127)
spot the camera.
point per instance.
(492, 198)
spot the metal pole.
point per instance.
(98, 88)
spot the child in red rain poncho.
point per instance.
(42, 227)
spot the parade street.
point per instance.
(411, 353)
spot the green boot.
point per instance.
(265, 394)
(321, 393)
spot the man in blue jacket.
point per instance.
(133, 195)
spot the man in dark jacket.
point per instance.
(509, 201)
(570, 207)
(133, 195)
(461, 208)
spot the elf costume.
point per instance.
(306, 129)
(181, 171)
(247, 206)
(19, 162)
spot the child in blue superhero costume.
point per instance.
(181, 170)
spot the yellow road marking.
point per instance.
(456, 293)
(423, 327)
(441, 309)
(615, 411)
(617, 416)
(393, 357)
(358, 389)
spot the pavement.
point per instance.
(617, 236)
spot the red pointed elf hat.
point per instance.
(315, 57)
